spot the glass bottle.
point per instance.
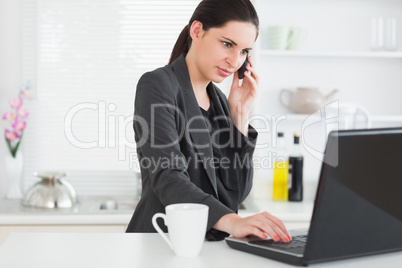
(296, 170)
(280, 182)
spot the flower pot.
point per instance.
(14, 169)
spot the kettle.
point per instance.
(305, 100)
(50, 192)
(348, 115)
(334, 116)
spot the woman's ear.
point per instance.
(196, 30)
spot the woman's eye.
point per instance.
(226, 44)
(244, 52)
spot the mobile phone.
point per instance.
(243, 68)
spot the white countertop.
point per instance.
(88, 212)
(61, 250)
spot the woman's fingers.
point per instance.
(255, 230)
(250, 80)
(278, 223)
(252, 70)
(252, 87)
(268, 228)
(265, 223)
(273, 229)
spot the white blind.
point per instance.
(85, 58)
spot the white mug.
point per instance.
(278, 37)
(187, 225)
(285, 37)
(296, 38)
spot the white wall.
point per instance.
(301, 13)
(331, 26)
(10, 69)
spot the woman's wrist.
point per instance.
(240, 122)
(225, 223)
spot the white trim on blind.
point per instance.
(84, 58)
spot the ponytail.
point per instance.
(182, 44)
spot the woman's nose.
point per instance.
(234, 60)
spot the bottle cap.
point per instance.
(296, 138)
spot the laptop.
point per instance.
(358, 204)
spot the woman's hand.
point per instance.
(241, 98)
(259, 225)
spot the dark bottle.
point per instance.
(296, 171)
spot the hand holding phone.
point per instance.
(243, 68)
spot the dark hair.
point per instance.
(214, 14)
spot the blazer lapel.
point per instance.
(196, 127)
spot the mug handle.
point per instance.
(292, 38)
(159, 230)
(281, 99)
(366, 115)
(303, 35)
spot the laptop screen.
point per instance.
(358, 207)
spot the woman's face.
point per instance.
(222, 51)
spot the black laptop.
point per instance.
(358, 205)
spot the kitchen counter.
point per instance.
(112, 215)
(89, 211)
(42, 250)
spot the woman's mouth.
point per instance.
(224, 72)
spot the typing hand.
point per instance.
(259, 225)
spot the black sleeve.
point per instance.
(156, 133)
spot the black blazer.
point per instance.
(175, 151)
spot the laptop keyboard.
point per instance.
(298, 242)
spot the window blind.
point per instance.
(84, 58)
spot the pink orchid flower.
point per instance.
(19, 125)
(26, 94)
(16, 103)
(11, 135)
(22, 112)
(9, 116)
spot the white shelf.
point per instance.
(301, 117)
(387, 118)
(290, 116)
(338, 54)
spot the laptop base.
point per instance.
(297, 261)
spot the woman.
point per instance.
(194, 144)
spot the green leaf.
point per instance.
(14, 150)
(17, 146)
(10, 148)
